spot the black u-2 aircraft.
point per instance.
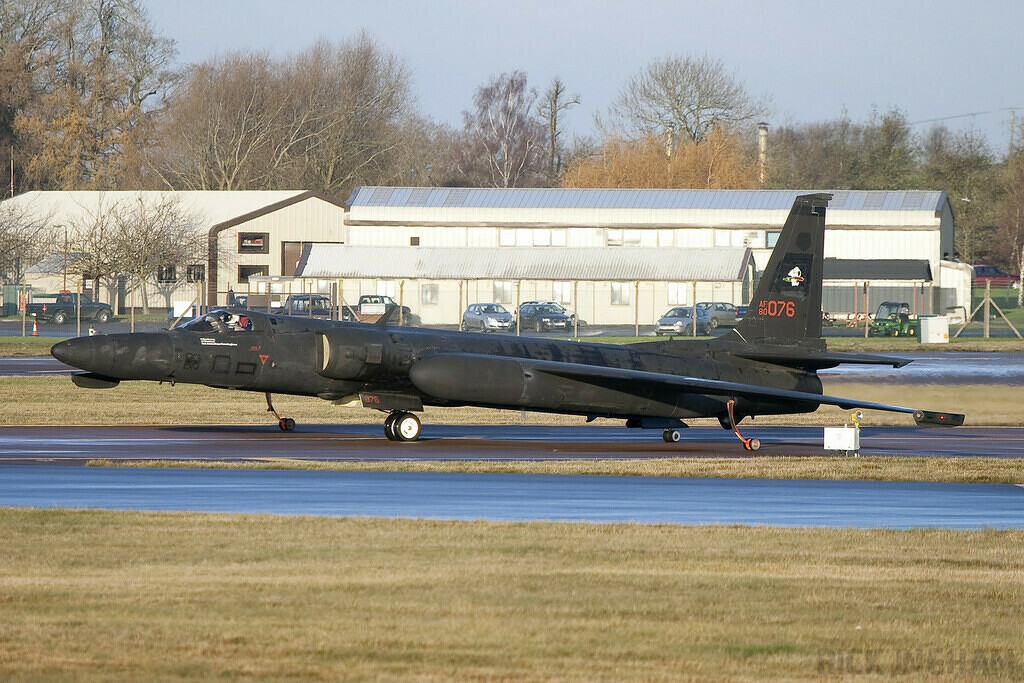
(766, 365)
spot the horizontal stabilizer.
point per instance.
(818, 360)
(89, 380)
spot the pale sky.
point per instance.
(933, 59)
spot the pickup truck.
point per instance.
(373, 306)
(65, 308)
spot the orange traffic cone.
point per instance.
(35, 330)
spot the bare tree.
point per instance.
(503, 139)
(146, 237)
(325, 119)
(360, 95)
(683, 98)
(90, 236)
(1010, 217)
(555, 101)
(24, 239)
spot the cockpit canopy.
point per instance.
(220, 321)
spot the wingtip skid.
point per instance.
(930, 418)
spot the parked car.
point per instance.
(997, 277)
(740, 312)
(720, 313)
(65, 306)
(678, 321)
(488, 318)
(543, 317)
(306, 305)
(561, 309)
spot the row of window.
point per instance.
(631, 237)
(193, 273)
(259, 242)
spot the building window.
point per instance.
(620, 293)
(666, 237)
(253, 243)
(167, 274)
(195, 272)
(631, 238)
(771, 238)
(429, 295)
(414, 241)
(613, 237)
(246, 272)
(502, 292)
(507, 237)
(561, 292)
(558, 237)
(677, 293)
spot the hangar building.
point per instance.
(617, 256)
(429, 246)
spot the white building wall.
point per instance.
(311, 220)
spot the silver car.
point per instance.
(720, 313)
(678, 321)
(488, 318)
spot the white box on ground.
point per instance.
(934, 329)
(842, 439)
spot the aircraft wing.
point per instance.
(427, 374)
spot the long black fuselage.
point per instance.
(335, 360)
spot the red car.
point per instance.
(997, 277)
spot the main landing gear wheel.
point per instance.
(401, 426)
(671, 435)
(285, 423)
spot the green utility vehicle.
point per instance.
(893, 319)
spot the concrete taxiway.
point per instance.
(76, 445)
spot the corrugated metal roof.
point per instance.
(877, 269)
(332, 261)
(557, 198)
(211, 207)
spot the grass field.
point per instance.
(34, 400)
(116, 595)
(970, 470)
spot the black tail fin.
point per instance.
(786, 306)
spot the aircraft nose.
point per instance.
(123, 356)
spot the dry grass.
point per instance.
(118, 595)
(971, 470)
(33, 400)
(14, 347)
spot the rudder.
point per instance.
(786, 306)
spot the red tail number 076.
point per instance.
(776, 309)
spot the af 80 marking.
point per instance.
(776, 309)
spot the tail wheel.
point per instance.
(286, 424)
(407, 427)
(671, 435)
